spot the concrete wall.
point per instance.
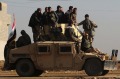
(5, 20)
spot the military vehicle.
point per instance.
(34, 59)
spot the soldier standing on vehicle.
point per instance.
(23, 40)
(35, 23)
(88, 27)
(60, 14)
(46, 27)
(74, 16)
(67, 15)
(52, 18)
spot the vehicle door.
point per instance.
(64, 56)
(45, 56)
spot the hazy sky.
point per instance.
(105, 13)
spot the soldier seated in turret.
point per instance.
(71, 36)
(23, 40)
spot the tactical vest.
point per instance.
(87, 43)
(87, 25)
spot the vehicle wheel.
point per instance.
(105, 72)
(38, 72)
(25, 68)
(93, 67)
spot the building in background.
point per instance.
(5, 20)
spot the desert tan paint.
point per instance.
(5, 20)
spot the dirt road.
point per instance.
(61, 75)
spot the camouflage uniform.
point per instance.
(35, 23)
(88, 27)
(70, 34)
(73, 18)
(60, 15)
(46, 27)
(86, 44)
(52, 19)
(68, 18)
(52, 22)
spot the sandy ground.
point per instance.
(59, 75)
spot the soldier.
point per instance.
(86, 44)
(73, 16)
(23, 40)
(88, 27)
(70, 34)
(52, 18)
(67, 15)
(45, 17)
(60, 14)
(35, 23)
(46, 28)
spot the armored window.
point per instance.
(43, 49)
(0, 6)
(65, 49)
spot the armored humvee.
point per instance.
(34, 59)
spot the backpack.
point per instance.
(87, 24)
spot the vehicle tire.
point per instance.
(93, 67)
(38, 72)
(25, 68)
(105, 72)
